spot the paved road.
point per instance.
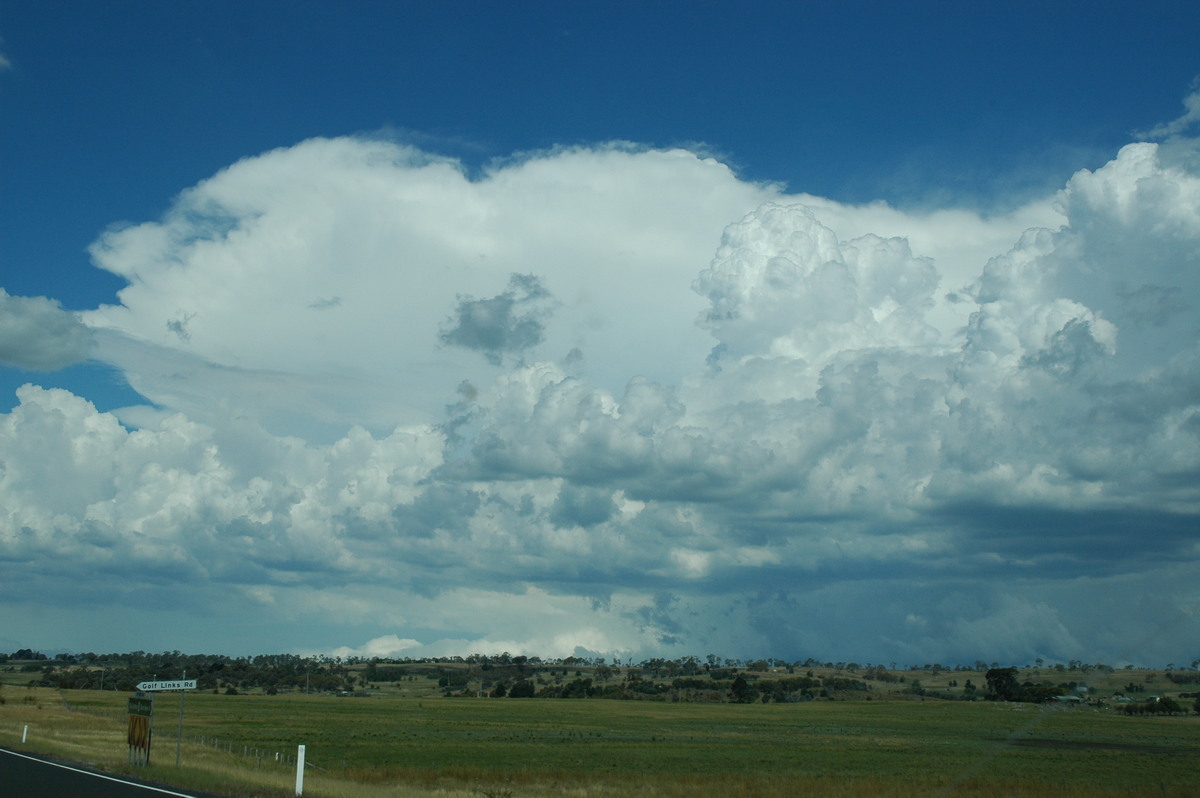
(23, 776)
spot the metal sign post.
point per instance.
(179, 685)
(179, 733)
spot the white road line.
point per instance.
(98, 775)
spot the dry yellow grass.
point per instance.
(48, 727)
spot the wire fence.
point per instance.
(167, 733)
(261, 756)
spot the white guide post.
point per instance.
(300, 771)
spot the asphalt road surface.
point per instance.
(23, 776)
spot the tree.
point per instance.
(576, 688)
(741, 690)
(522, 689)
(1002, 685)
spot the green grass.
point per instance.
(598, 747)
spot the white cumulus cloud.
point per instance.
(619, 400)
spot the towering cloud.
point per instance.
(350, 260)
(621, 400)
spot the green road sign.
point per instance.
(143, 707)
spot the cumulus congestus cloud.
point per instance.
(941, 430)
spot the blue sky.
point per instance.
(862, 332)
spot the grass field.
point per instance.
(393, 745)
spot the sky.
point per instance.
(860, 333)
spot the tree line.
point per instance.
(687, 678)
(123, 672)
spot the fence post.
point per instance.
(24, 733)
(300, 770)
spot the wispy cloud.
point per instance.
(1184, 122)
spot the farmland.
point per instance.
(407, 738)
